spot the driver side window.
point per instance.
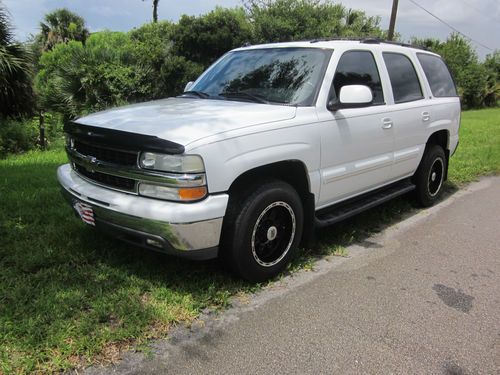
(357, 68)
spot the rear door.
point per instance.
(356, 143)
(409, 112)
(444, 111)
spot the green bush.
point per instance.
(287, 20)
(17, 136)
(16, 94)
(75, 79)
(168, 73)
(156, 60)
(478, 83)
(205, 38)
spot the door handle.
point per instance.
(426, 116)
(386, 123)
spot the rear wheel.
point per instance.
(262, 231)
(429, 177)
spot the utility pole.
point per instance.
(392, 24)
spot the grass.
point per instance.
(479, 150)
(70, 296)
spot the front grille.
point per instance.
(115, 182)
(125, 158)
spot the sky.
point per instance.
(478, 19)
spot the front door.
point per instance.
(356, 144)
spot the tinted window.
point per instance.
(438, 75)
(358, 68)
(404, 80)
(277, 75)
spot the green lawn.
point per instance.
(70, 296)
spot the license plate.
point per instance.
(85, 211)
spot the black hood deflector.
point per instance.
(122, 140)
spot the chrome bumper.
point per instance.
(190, 230)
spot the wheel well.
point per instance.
(293, 172)
(441, 138)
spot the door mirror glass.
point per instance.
(352, 96)
(188, 86)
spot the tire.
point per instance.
(262, 231)
(429, 178)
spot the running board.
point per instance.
(354, 206)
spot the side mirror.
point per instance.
(188, 86)
(352, 96)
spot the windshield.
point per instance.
(290, 76)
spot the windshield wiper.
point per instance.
(199, 94)
(244, 95)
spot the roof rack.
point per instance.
(370, 40)
(337, 38)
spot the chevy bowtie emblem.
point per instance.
(91, 161)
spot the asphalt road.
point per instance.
(423, 297)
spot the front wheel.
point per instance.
(429, 178)
(263, 231)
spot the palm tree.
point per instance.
(155, 10)
(16, 93)
(61, 26)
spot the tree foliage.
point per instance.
(61, 26)
(110, 69)
(16, 95)
(287, 20)
(477, 82)
(205, 38)
(76, 78)
(492, 66)
(168, 72)
(78, 73)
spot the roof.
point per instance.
(331, 43)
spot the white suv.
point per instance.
(270, 142)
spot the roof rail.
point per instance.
(336, 38)
(369, 40)
(402, 44)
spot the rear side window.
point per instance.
(438, 75)
(358, 68)
(404, 80)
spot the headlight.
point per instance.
(171, 193)
(171, 163)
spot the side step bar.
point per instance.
(354, 206)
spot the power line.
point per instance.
(479, 11)
(450, 26)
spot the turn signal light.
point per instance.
(191, 194)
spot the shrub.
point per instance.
(287, 20)
(167, 72)
(16, 94)
(205, 38)
(17, 136)
(76, 78)
(477, 82)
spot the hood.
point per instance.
(185, 120)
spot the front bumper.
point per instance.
(190, 230)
